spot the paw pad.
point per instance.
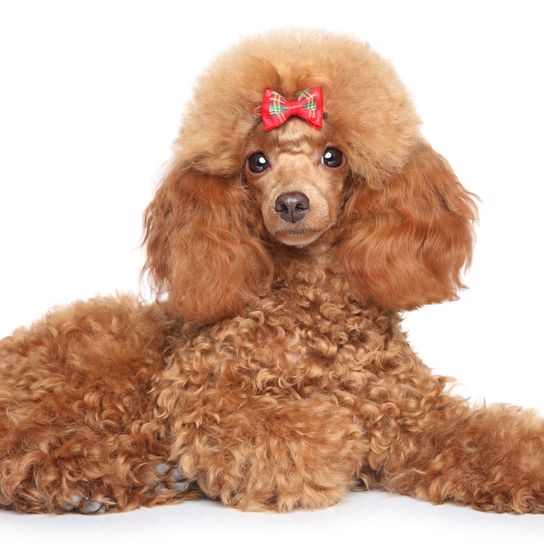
(172, 479)
(72, 502)
(93, 507)
(77, 503)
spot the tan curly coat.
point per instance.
(274, 374)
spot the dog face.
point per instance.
(399, 220)
(298, 177)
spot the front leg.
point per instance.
(270, 453)
(491, 458)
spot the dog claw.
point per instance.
(93, 507)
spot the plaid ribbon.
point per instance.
(276, 109)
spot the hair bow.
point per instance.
(276, 109)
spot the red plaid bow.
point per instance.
(276, 109)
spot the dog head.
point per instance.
(399, 221)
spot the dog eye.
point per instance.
(257, 163)
(332, 157)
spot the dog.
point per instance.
(302, 213)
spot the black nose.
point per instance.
(292, 207)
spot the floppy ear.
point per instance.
(202, 247)
(406, 241)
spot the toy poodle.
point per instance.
(302, 212)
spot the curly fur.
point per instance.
(273, 372)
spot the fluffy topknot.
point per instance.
(367, 108)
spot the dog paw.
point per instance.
(89, 507)
(72, 502)
(172, 479)
(93, 507)
(167, 480)
(178, 482)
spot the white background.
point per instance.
(91, 94)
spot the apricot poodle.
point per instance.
(302, 212)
